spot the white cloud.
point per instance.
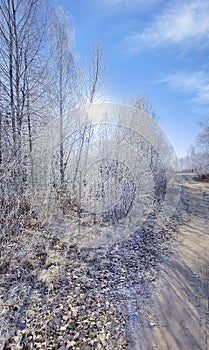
(195, 84)
(177, 24)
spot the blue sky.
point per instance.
(159, 48)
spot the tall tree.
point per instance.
(94, 74)
(203, 137)
(93, 78)
(63, 72)
(21, 36)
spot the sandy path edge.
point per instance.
(180, 301)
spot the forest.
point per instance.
(57, 151)
(89, 192)
(41, 87)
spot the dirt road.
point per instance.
(180, 300)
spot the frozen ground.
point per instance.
(147, 291)
(180, 299)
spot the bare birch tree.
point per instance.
(21, 35)
(94, 75)
(203, 137)
(22, 30)
(63, 72)
(202, 141)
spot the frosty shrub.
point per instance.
(119, 168)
